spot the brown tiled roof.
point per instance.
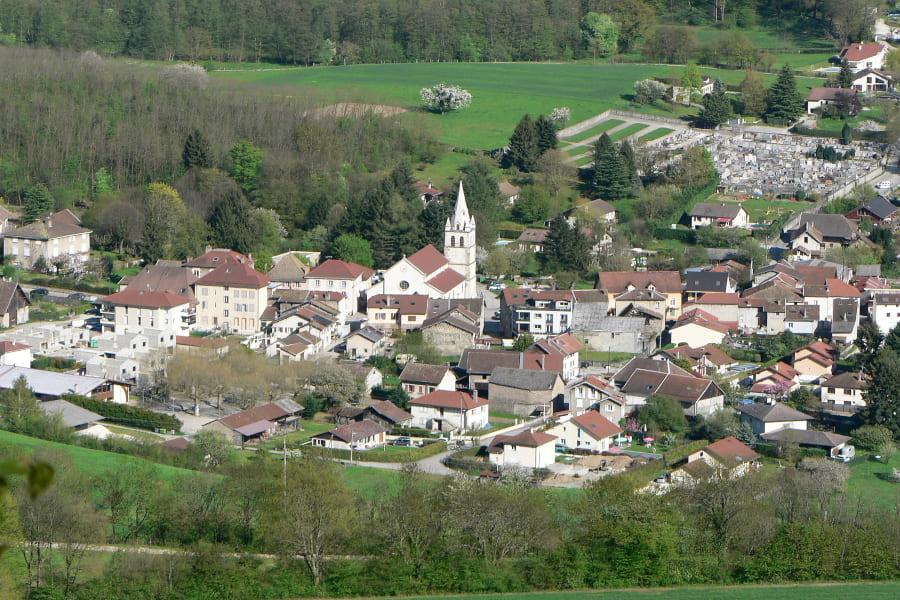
(454, 317)
(428, 260)
(6, 346)
(339, 269)
(703, 319)
(415, 372)
(528, 439)
(445, 399)
(685, 389)
(860, 51)
(646, 364)
(144, 299)
(802, 312)
(596, 425)
(718, 298)
(405, 304)
(8, 291)
(266, 412)
(288, 268)
(507, 189)
(731, 452)
(446, 280)
(58, 225)
(819, 93)
(179, 444)
(615, 282)
(773, 413)
(390, 411)
(235, 274)
(353, 432)
(533, 235)
(699, 469)
(216, 257)
(483, 362)
(710, 351)
(850, 381)
(164, 278)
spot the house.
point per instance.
(429, 272)
(532, 239)
(529, 449)
(716, 280)
(453, 412)
(15, 355)
(705, 360)
(335, 275)
(393, 312)
(587, 431)
(814, 360)
(117, 369)
(659, 365)
(820, 96)
(764, 417)
(214, 258)
(730, 216)
(509, 192)
(682, 94)
(698, 328)
(258, 422)
(776, 380)
(823, 296)
(884, 310)
(232, 297)
(565, 346)
(817, 233)
(135, 308)
(525, 392)
(834, 444)
(358, 435)
(667, 283)
(721, 305)
(452, 331)
(869, 81)
(365, 342)
(385, 413)
(6, 218)
(72, 415)
(698, 397)
(419, 379)
(14, 304)
(164, 276)
(58, 239)
(880, 210)
(288, 271)
(625, 334)
(845, 392)
(863, 55)
(845, 320)
(594, 393)
(595, 210)
(726, 459)
(542, 312)
(802, 319)
(51, 385)
(427, 192)
(476, 365)
(368, 375)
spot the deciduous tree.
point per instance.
(444, 98)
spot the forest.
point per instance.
(370, 31)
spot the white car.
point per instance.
(496, 286)
(884, 185)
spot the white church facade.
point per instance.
(450, 275)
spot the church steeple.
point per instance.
(461, 221)
(459, 242)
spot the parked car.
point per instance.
(401, 441)
(39, 292)
(496, 286)
(884, 185)
(76, 298)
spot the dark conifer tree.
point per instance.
(546, 131)
(233, 223)
(611, 179)
(196, 151)
(523, 146)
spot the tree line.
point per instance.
(348, 31)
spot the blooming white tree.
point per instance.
(648, 91)
(560, 116)
(443, 97)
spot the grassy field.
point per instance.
(842, 591)
(600, 128)
(627, 131)
(502, 92)
(83, 459)
(867, 483)
(656, 133)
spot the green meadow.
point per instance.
(501, 92)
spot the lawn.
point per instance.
(842, 591)
(369, 482)
(866, 482)
(295, 438)
(656, 134)
(83, 459)
(628, 131)
(596, 130)
(502, 92)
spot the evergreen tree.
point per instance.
(546, 131)
(233, 223)
(845, 77)
(404, 182)
(883, 393)
(39, 203)
(784, 103)
(196, 151)
(431, 223)
(523, 146)
(846, 134)
(565, 248)
(718, 86)
(482, 190)
(611, 179)
(630, 164)
(716, 109)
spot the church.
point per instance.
(450, 275)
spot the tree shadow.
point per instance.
(889, 477)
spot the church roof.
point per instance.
(446, 280)
(428, 260)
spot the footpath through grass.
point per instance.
(824, 591)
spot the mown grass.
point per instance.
(502, 92)
(656, 134)
(842, 591)
(869, 481)
(628, 131)
(596, 130)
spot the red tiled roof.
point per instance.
(731, 451)
(615, 282)
(339, 269)
(235, 274)
(405, 304)
(595, 424)
(217, 257)
(533, 235)
(7, 346)
(446, 280)
(718, 298)
(145, 299)
(860, 51)
(428, 259)
(838, 287)
(528, 439)
(445, 399)
(703, 319)
(353, 432)
(416, 372)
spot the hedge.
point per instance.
(373, 455)
(123, 414)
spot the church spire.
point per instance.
(461, 220)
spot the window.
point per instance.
(226, 299)
(404, 285)
(452, 241)
(226, 312)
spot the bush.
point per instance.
(124, 414)
(52, 363)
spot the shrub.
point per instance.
(123, 414)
